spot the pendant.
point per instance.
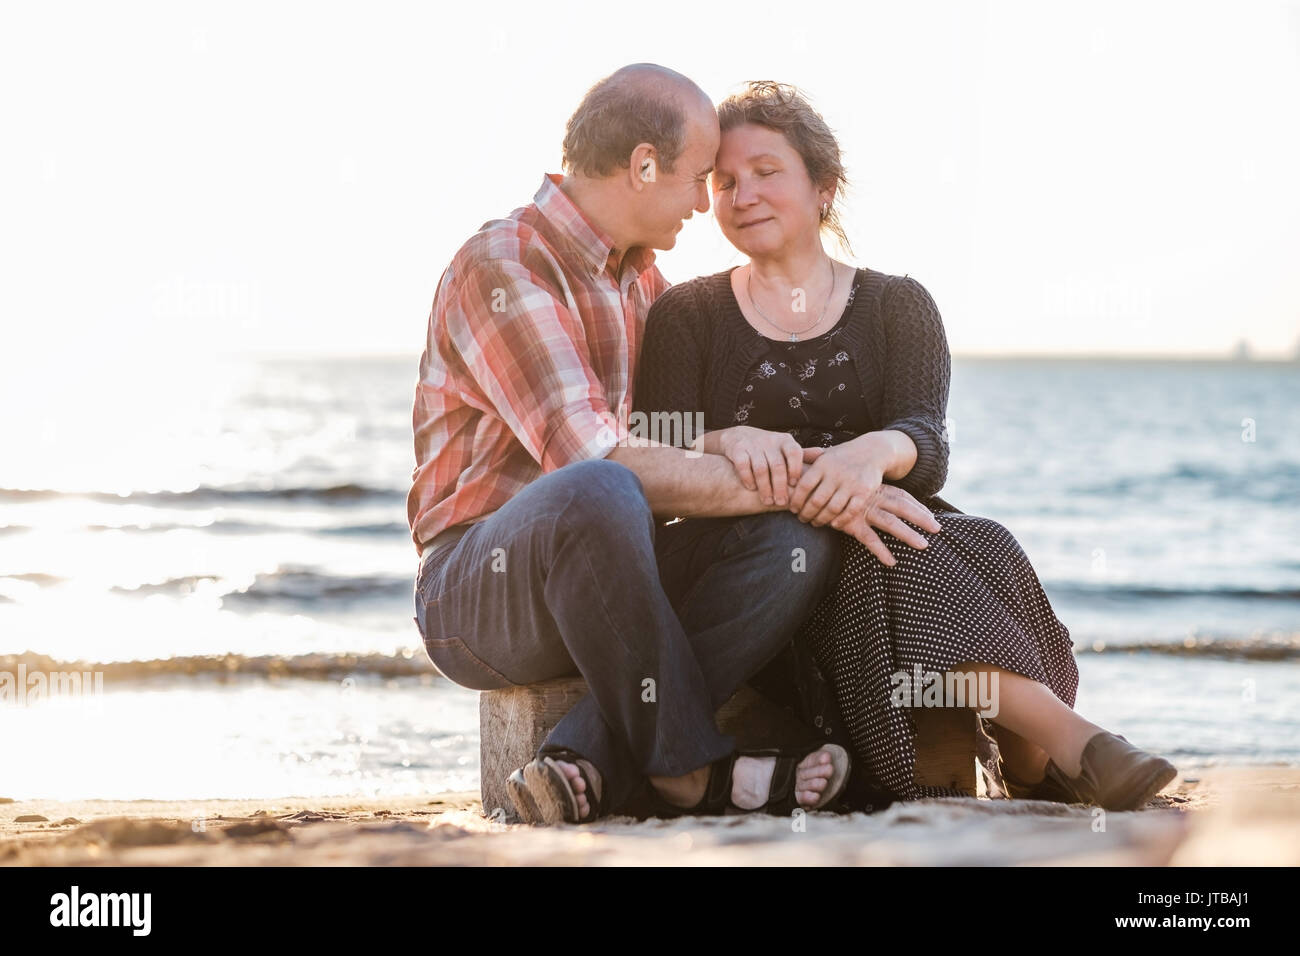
(793, 337)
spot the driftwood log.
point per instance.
(513, 723)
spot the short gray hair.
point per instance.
(641, 103)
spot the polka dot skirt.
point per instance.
(970, 596)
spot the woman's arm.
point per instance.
(918, 371)
(894, 450)
(670, 368)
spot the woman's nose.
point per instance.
(741, 194)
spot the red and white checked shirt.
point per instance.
(532, 344)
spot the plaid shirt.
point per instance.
(532, 344)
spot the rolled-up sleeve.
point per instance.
(918, 371)
(526, 352)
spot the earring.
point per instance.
(825, 206)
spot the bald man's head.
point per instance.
(641, 103)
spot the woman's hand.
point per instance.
(843, 486)
(766, 462)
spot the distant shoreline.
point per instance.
(1208, 358)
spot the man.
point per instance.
(535, 517)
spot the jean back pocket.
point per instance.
(448, 652)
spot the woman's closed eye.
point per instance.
(723, 186)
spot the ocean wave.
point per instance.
(393, 529)
(1080, 589)
(1276, 482)
(415, 663)
(205, 494)
(409, 663)
(182, 585)
(289, 584)
(295, 584)
(216, 527)
(1276, 647)
(384, 529)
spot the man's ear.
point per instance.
(644, 167)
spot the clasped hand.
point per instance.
(842, 486)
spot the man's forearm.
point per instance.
(678, 485)
(706, 485)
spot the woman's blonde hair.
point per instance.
(781, 107)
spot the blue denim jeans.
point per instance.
(574, 576)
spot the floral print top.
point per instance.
(807, 388)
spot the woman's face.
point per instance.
(763, 198)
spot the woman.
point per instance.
(821, 383)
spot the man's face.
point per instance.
(670, 198)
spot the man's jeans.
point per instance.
(664, 622)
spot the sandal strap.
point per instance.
(595, 787)
(717, 790)
(781, 796)
(717, 794)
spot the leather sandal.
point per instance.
(781, 797)
(522, 798)
(542, 793)
(1113, 774)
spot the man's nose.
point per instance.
(703, 204)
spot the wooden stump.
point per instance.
(946, 748)
(514, 721)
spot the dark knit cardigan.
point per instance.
(698, 348)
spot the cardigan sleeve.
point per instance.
(670, 369)
(917, 372)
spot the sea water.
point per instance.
(211, 547)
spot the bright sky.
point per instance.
(1083, 177)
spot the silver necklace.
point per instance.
(794, 336)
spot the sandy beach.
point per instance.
(1225, 816)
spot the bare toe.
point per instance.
(812, 776)
(578, 784)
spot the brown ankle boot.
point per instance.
(1044, 789)
(1113, 774)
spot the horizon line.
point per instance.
(1223, 357)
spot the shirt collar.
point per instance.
(592, 244)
